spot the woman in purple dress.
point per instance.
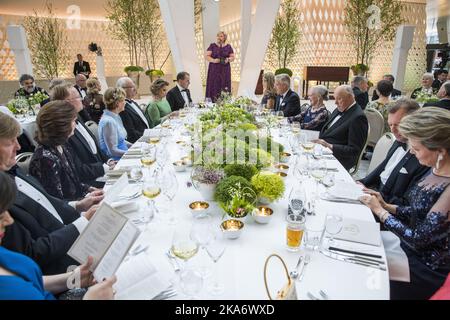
(219, 55)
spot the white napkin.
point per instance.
(397, 260)
(346, 190)
(125, 206)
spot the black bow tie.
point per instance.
(13, 170)
(404, 145)
(184, 90)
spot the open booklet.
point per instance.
(107, 238)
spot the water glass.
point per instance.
(333, 225)
(191, 283)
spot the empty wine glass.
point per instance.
(318, 172)
(297, 200)
(136, 174)
(333, 225)
(169, 187)
(202, 233)
(215, 250)
(191, 283)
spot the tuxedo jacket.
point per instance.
(37, 234)
(133, 123)
(85, 67)
(437, 84)
(348, 135)
(405, 175)
(395, 93)
(362, 98)
(88, 165)
(443, 103)
(175, 98)
(290, 104)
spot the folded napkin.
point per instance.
(125, 206)
(134, 152)
(116, 173)
(345, 191)
(132, 156)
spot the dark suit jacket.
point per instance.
(290, 105)
(443, 103)
(133, 123)
(88, 165)
(395, 93)
(175, 98)
(437, 84)
(399, 183)
(85, 67)
(348, 135)
(362, 98)
(37, 234)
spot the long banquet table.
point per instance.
(241, 266)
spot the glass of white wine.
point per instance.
(318, 172)
(183, 246)
(151, 189)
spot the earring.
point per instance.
(439, 159)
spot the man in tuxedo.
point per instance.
(346, 131)
(441, 77)
(28, 87)
(133, 118)
(180, 96)
(287, 100)
(400, 170)
(444, 95)
(360, 87)
(80, 85)
(45, 227)
(81, 67)
(90, 160)
(395, 93)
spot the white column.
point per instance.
(246, 25)
(100, 66)
(210, 21)
(17, 39)
(403, 42)
(266, 12)
(178, 17)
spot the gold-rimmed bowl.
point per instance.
(281, 174)
(179, 166)
(232, 229)
(262, 214)
(199, 209)
(285, 157)
(181, 143)
(187, 161)
(281, 167)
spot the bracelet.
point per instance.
(382, 219)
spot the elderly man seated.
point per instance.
(444, 95)
(45, 227)
(400, 170)
(28, 87)
(287, 100)
(345, 133)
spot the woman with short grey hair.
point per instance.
(315, 116)
(424, 225)
(427, 86)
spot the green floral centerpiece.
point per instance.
(205, 179)
(246, 171)
(236, 196)
(269, 186)
(425, 97)
(22, 104)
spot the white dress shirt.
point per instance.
(392, 163)
(37, 196)
(339, 116)
(136, 108)
(184, 95)
(87, 137)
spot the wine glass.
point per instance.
(151, 188)
(191, 283)
(202, 233)
(208, 102)
(215, 250)
(328, 181)
(169, 186)
(318, 172)
(297, 200)
(333, 225)
(136, 174)
(148, 156)
(183, 247)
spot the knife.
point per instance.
(352, 260)
(355, 252)
(356, 257)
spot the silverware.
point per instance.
(358, 261)
(324, 295)
(355, 252)
(166, 294)
(355, 257)
(294, 273)
(302, 272)
(311, 296)
(341, 200)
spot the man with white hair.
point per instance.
(287, 100)
(346, 131)
(444, 95)
(427, 86)
(133, 118)
(360, 87)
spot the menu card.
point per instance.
(107, 238)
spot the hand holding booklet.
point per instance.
(107, 238)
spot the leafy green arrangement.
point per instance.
(236, 196)
(22, 103)
(424, 97)
(154, 72)
(133, 69)
(268, 185)
(246, 171)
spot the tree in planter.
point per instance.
(369, 22)
(47, 42)
(285, 34)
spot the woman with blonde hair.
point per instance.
(112, 133)
(158, 110)
(270, 94)
(219, 55)
(424, 225)
(93, 102)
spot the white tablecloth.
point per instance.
(28, 125)
(241, 267)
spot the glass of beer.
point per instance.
(294, 231)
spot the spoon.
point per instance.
(307, 260)
(294, 273)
